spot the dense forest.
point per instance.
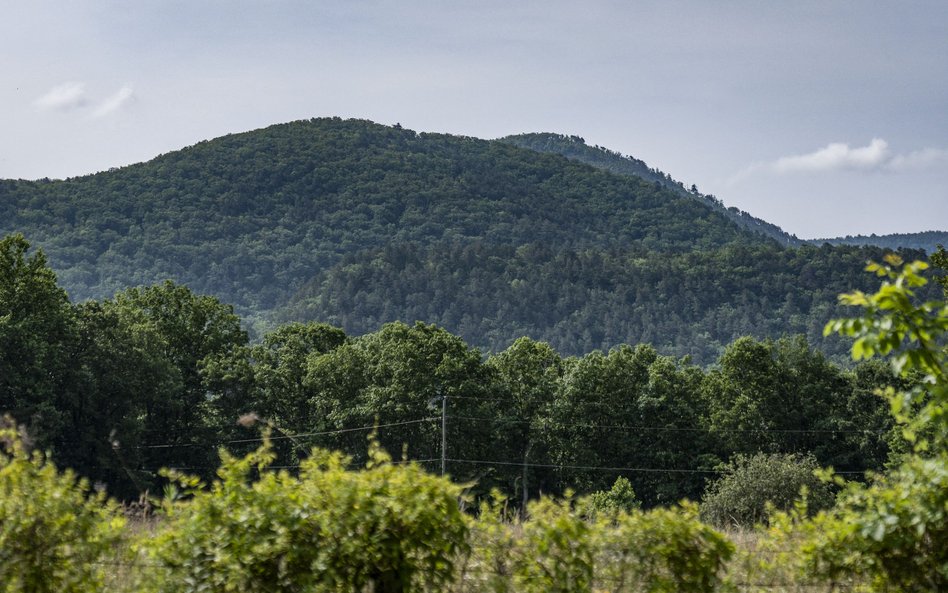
(691, 303)
(358, 224)
(156, 376)
(927, 240)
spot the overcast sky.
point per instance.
(824, 117)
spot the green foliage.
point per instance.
(36, 333)
(576, 149)
(582, 299)
(894, 531)
(666, 550)
(752, 485)
(394, 527)
(183, 330)
(251, 216)
(54, 536)
(927, 240)
(912, 334)
(555, 550)
(621, 497)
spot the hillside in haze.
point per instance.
(927, 240)
(358, 224)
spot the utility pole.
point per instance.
(444, 432)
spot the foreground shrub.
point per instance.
(742, 495)
(895, 531)
(559, 549)
(554, 553)
(664, 550)
(392, 527)
(55, 537)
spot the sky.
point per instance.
(825, 117)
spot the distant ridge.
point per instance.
(575, 148)
(927, 240)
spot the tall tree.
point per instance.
(187, 329)
(37, 327)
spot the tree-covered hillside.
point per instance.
(579, 300)
(360, 224)
(576, 149)
(251, 217)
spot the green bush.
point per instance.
(621, 497)
(664, 550)
(393, 527)
(55, 536)
(894, 531)
(751, 483)
(558, 550)
(555, 550)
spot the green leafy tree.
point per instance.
(528, 374)
(397, 376)
(185, 329)
(269, 378)
(621, 497)
(37, 329)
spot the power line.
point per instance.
(293, 436)
(603, 467)
(683, 429)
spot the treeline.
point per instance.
(579, 300)
(927, 240)
(157, 376)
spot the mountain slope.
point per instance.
(579, 300)
(251, 217)
(575, 148)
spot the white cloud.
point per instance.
(836, 156)
(67, 96)
(839, 156)
(115, 102)
(919, 159)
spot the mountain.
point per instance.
(927, 240)
(358, 224)
(251, 217)
(575, 148)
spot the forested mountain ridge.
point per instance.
(251, 217)
(575, 148)
(927, 240)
